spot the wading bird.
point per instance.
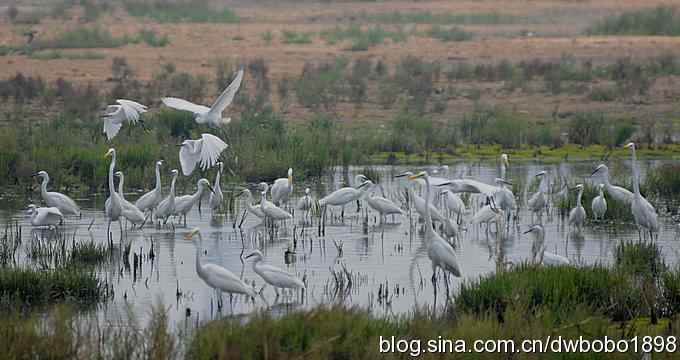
(305, 203)
(599, 204)
(253, 209)
(643, 212)
(216, 196)
(217, 277)
(537, 202)
(577, 215)
(540, 256)
(128, 210)
(282, 189)
(184, 204)
(114, 211)
(380, 204)
(209, 115)
(116, 115)
(274, 276)
(439, 251)
(44, 216)
(150, 200)
(270, 210)
(454, 204)
(204, 151)
(54, 199)
(166, 207)
(616, 192)
(343, 196)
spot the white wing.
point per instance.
(181, 104)
(112, 125)
(131, 109)
(206, 151)
(279, 277)
(227, 95)
(49, 215)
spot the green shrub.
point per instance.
(293, 37)
(449, 34)
(661, 20)
(81, 38)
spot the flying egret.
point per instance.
(166, 207)
(537, 202)
(617, 192)
(115, 209)
(209, 115)
(599, 204)
(216, 196)
(184, 204)
(577, 215)
(128, 209)
(305, 203)
(54, 199)
(274, 276)
(439, 251)
(643, 212)
(116, 115)
(282, 189)
(380, 204)
(150, 200)
(270, 210)
(44, 216)
(540, 256)
(217, 277)
(204, 151)
(253, 209)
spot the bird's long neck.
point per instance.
(172, 186)
(43, 186)
(578, 197)
(636, 172)
(199, 266)
(112, 166)
(199, 191)
(217, 178)
(120, 186)
(158, 177)
(428, 217)
(502, 172)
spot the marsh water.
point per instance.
(387, 263)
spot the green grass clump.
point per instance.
(294, 37)
(88, 253)
(427, 17)
(639, 258)
(83, 38)
(662, 20)
(152, 39)
(361, 39)
(617, 211)
(168, 12)
(29, 287)
(664, 181)
(58, 54)
(449, 34)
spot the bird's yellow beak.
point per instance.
(191, 234)
(413, 177)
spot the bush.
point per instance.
(664, 181)
(361, 39)
(662, 20)
(449, 34)
(293, 37)
(81, 38)
(150, 37)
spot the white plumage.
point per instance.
(617, 192)
(116, 115)
(166, 207)
(150, 200)
(184, 204)
(539, 255)
(204, 151)
(643, 212)
(216, 196)
(253, 209)
(305, 202)
(577, 215)
(128, 209)
(209, 115)
(282, 189)
(54, 199)
(274, 276)
(599, 204)
(537, 202)
(270, 210)
(44, 216)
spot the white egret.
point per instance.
(617, 192)
(114, 211)
(184, 203)
(282, 189)
(537, 202)
(454, 204)
(540, 256)
(253, 209)
(305, 203)
(55, 199)
(116, 115)
(643, 212)
(420, 204)
(209, 115)
(439, 251)
(128, 209)
(216, 276)
(380, 204)
(270, 210)
(44, 216)
(166, 207)
(487, 213)
(599, 204)
(343, 196)
(204, 151)
(577, 215)
(150, 200)
(216, 196)
(274, 276)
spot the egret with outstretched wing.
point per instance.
(204, 152)
(116, 115)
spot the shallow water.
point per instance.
(388, 264)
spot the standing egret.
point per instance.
(420, 204)
(616, 192)
(454, 204)
(44, 216)
(150, 200)
(577, 215)
(209, 115)
(166, 207)
(439, 251)
(54, 199)
(128, 209)
(116, 115)
(380, 204)
(216, 196)
(343, 196)
(115, 209)
(537, 202)
(599, 204)
(204, 151)
(184, 204)
(253, 209)
(282, 189)
(274, 276)
(540, 256)
(216, 276)
(305, 203)
(270, 210)
(643, 212)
